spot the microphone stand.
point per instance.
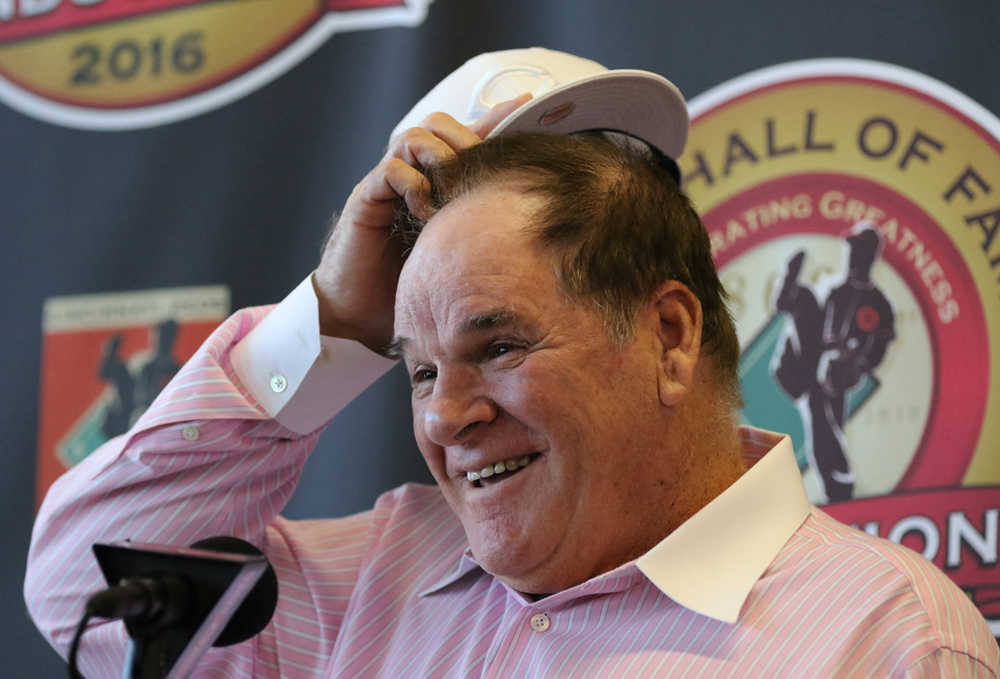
(145, 659)
(155, 655)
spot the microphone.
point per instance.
(177, 601)
(161, 601)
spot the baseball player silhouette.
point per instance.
(831, 345)
(134, 393)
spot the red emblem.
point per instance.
(866, 318)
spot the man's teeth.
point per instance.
(499, 468)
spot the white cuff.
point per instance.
(300, 378)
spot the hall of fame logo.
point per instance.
(853, 214)
(125, 64)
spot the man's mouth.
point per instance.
(499, 470)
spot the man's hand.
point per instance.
(356, 278)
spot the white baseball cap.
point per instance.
(570, 94)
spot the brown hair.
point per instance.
(616, 219)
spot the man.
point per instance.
(574, 395)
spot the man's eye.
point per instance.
(497, 349)
(423, 374)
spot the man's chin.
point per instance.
(512, 561)
(536, 584)
(520, 568)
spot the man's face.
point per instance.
(506, 370)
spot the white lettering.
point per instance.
(31, 8)
(871, 528)
(831, 205)
(983, 544)
(922, 525)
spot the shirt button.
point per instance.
(540, 622)
(278, 383)
(190, 432)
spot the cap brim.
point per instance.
(638, 103)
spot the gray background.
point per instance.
(242, 195)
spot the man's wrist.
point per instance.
(301, 377)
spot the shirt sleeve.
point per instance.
(218, 453)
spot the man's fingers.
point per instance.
(419, 147)
(437, 140)
(454, 133)
(495, 115)
(410, 185)
(373, 202)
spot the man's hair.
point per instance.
(615, 219)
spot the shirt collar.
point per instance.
(710, 563)
(466, 565)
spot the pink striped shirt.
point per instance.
(757, 584)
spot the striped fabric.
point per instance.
(393, 592)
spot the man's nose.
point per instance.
(458, 407)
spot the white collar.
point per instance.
(710, 562)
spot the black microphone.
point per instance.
(145, 600)
(161, 601)
(154, 597)
(177, 601)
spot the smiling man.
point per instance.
(597, 512)
(565, 447)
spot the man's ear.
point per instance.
(679, 315)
